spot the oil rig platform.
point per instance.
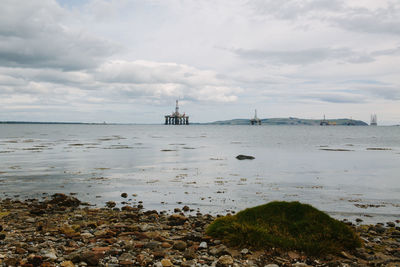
(176, 118)
(255, 120)
(374, 120)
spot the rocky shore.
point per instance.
(60, 231)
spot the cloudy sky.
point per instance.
(128, 60)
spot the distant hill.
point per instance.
(291, 121)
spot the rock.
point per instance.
(64, 200)
(91, 258)
(176, 219)
(180, 245)
(244, 251)
(124, 195)
(2, 236)
(301, 264)
(293, 255)
(203, 245)
(152, 245)
(30, 220)
(391, 224)
(166, 245)
(185, 208)
(166, 262)
(67, 264)
(242, 157)
(35, 260)
(110, 204)
(177, 210)
(225, 260)
(125, 257)
(219, 250)
(190, 253)
(50, 255)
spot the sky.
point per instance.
(127, 61)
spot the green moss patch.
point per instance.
(285, 225)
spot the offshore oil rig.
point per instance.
(176, 118)
(255, 120)
(374, 120)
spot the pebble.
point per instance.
(225, 260)
(180, 245)
(166, 262)
(203, 245)
(68, 236)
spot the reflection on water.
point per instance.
(346, 171)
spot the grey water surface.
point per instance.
(349, 172)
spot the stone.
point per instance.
(110, 204)
(64, 200)
(243, 157)
(152, 245)
(203, 245)
(166, 262)
(176, 219)
(190, 253)
(35, 260)
(293, 255)
(301, 264)
(244, 251)
(67, 264)
(124, 195)
(50, 255)
(391, 224)
(185, 208)
(225, 260)
(180, 245)
(219, 250)
(166, 245)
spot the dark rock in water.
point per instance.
(242, 157)
(185, 208)
(124, 195)
(63, 200)
(2, 236)
(391, 224)
(110, 204)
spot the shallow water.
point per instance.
(349, 172)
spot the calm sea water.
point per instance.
(171, 166)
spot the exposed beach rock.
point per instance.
(242, 157)
(72, 236)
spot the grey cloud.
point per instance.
(385, 92)
(292, 9)
(334, 12)
(332, 97)
(32, 35)
(381, 21)
(306, 56)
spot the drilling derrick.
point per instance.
(176, 118)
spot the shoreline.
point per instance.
(59, 231)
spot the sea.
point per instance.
(349, 172)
